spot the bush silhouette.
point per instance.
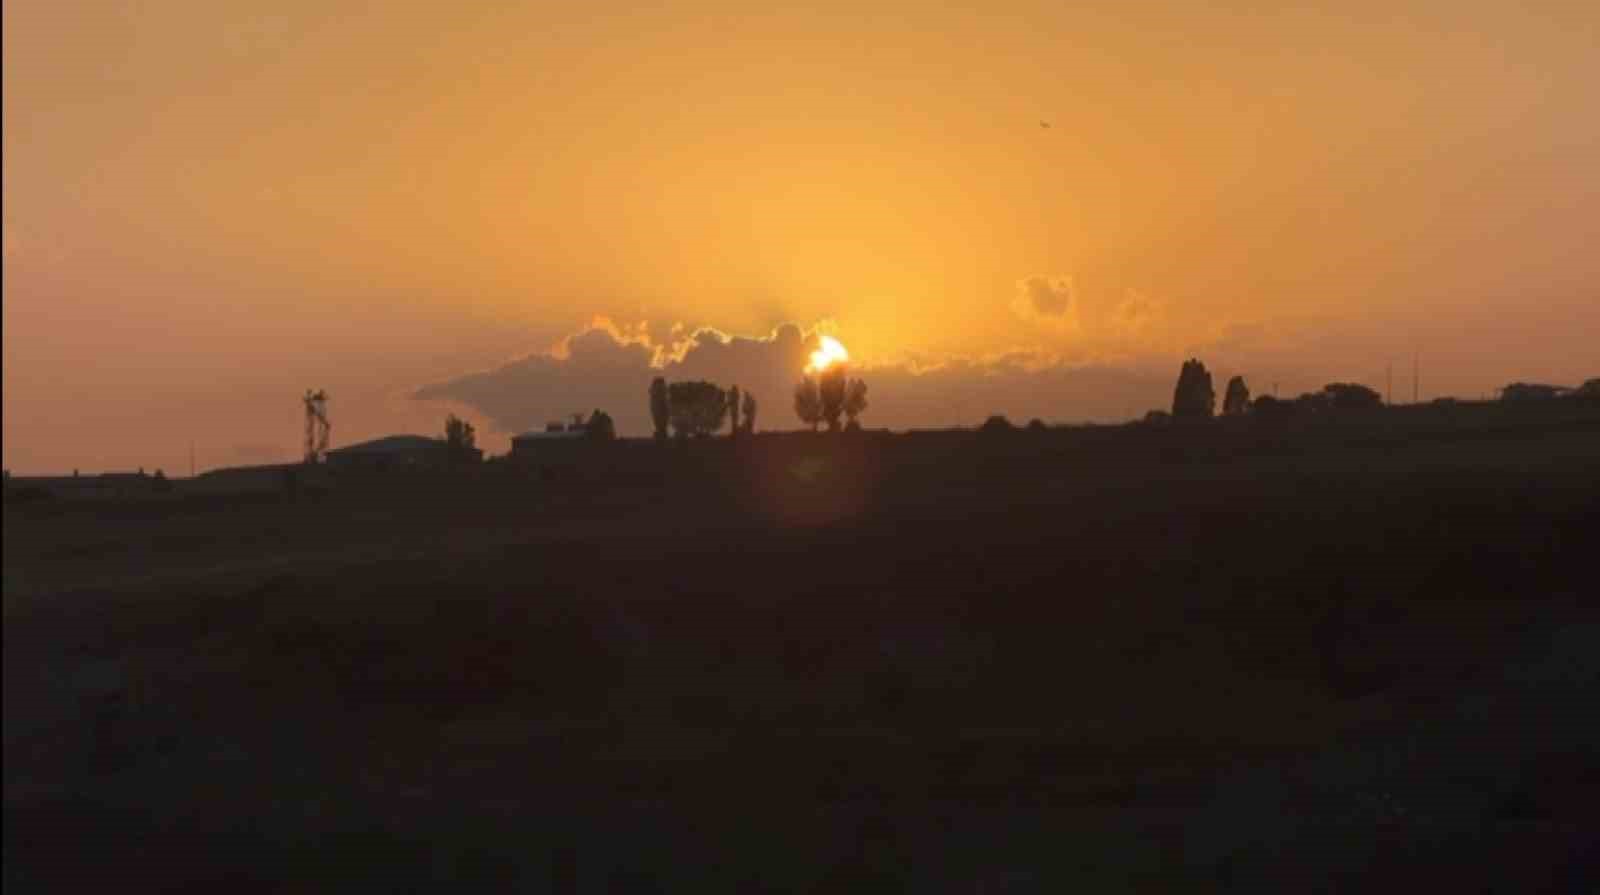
(1313, 402)
(600, 426)
(1269, 409)
(1350, 396)
(1530, 391)
(460, 439)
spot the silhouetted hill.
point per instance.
(1225, 657)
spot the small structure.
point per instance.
(554, 443)
(265, 479)
(1531, 391)
(104, 486)
(391, 452)
(318, 430)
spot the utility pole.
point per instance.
(191, 458)
(1388, 384)
(1415, 365)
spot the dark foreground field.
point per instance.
(1341, 658)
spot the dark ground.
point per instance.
(1359, 656)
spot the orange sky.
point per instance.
(209, 209)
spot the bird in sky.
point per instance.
(1044, 124)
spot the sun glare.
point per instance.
(828, 353)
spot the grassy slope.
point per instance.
(1145, 657)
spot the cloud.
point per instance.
(1103, 326)
(1120, 363)
(610, 366)
(1118, 327)
(1136, 312)
(1135, 325)
(1045, 299)
(1045, 296)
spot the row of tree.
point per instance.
(699, 408)
(1195, 399)
(828, 395)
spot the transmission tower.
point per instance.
(317, 428)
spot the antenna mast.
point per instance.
(317, 427)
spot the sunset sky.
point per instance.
(521, 210)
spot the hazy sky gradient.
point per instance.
(208, 209)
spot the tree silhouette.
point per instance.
(1531, 391)
(698, 407)
(733, 411)
(997, 423)
(660, 407)
(1194, 398)
(1313, 402)
(1237, 398)
(1270, 409)
(831, 386)
(855, 400)
(749, 413)
(460, 439)
(1350, 396)
(808, 402)
(600, 426)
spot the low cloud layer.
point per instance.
(1115, 326)
(1120, 360)
(609, 367)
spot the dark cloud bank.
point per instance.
(609, 368)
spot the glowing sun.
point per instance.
(828, 353)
